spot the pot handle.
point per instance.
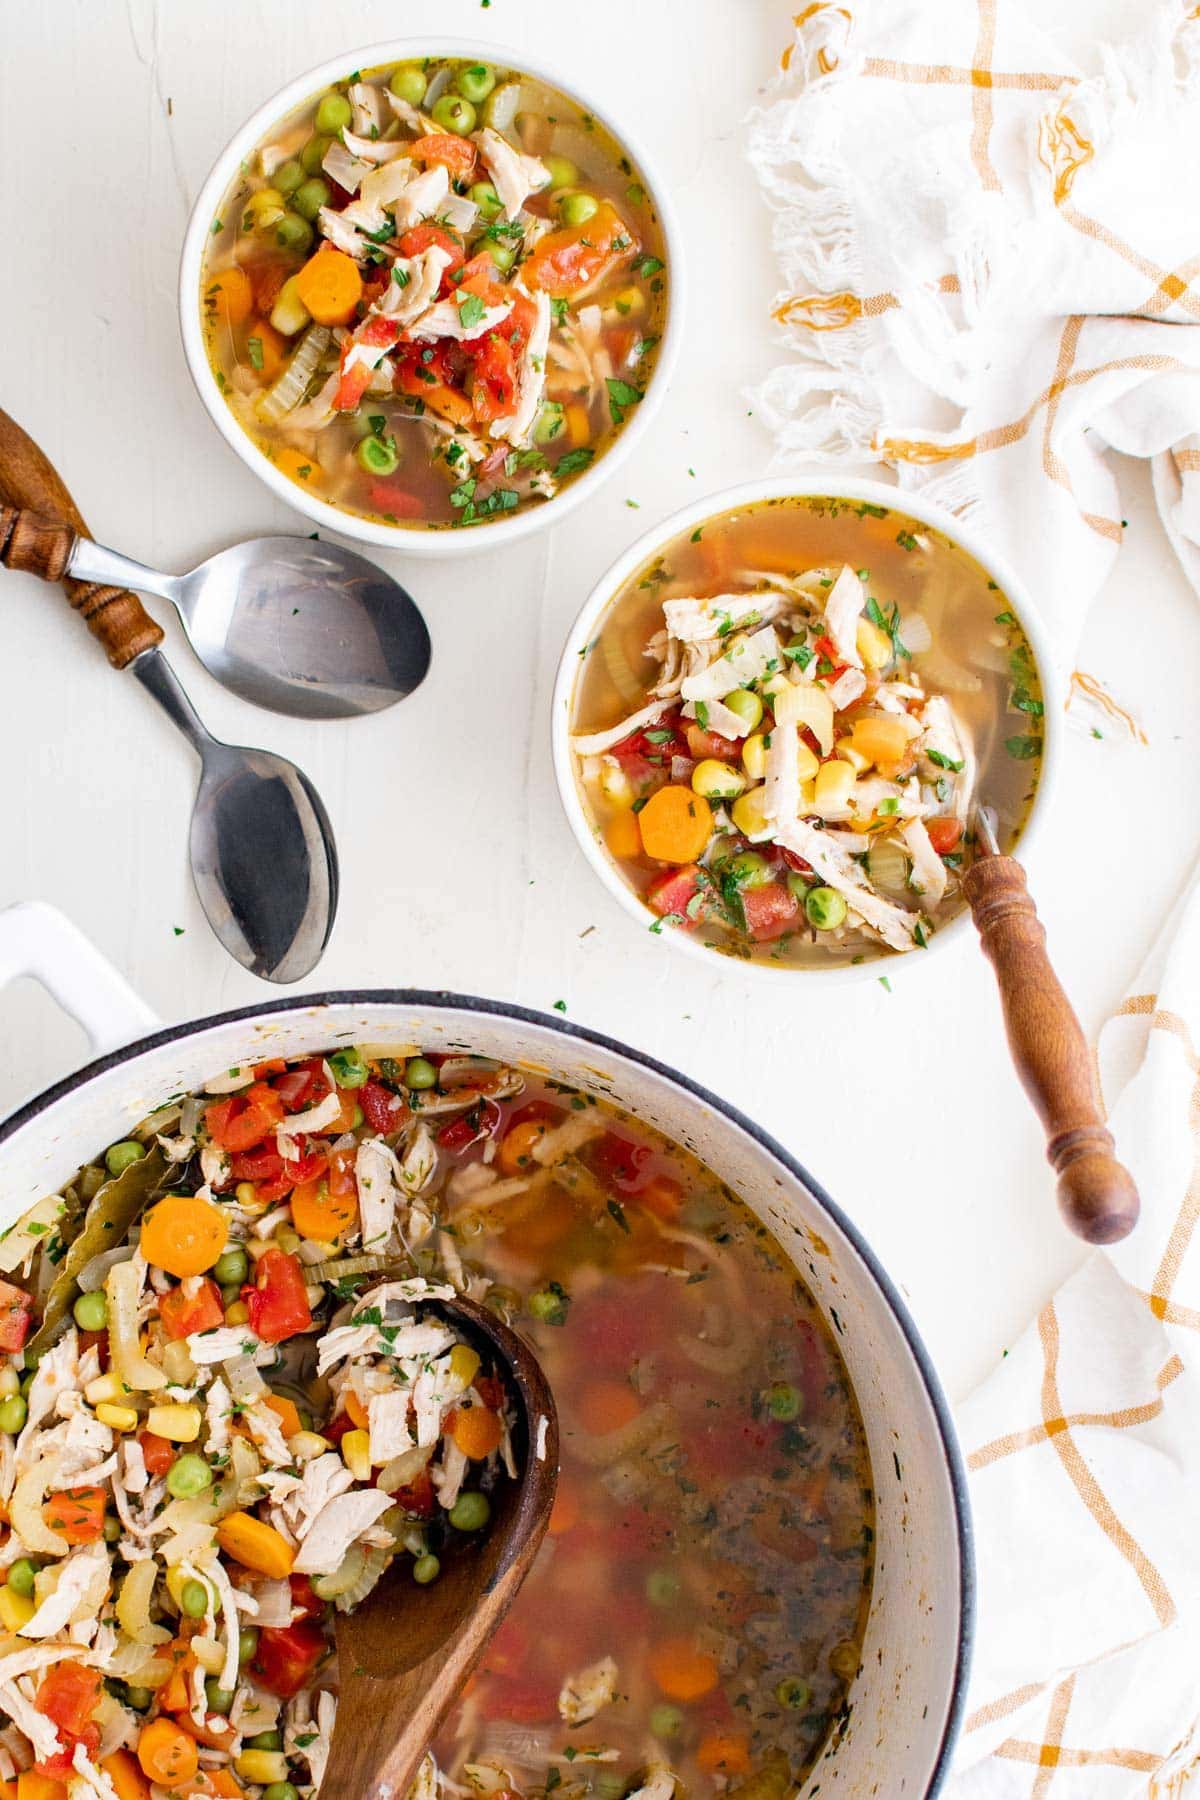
(36, 939)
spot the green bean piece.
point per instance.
(119, 1157)
(309, 199)
(313, 155)
(487, 200)
(292, 232)
(825, 908)
(289, 176)
(377, 456)
(408, 84)
(475, 82)
(453, 113)
(188, 1476)
(333, 114)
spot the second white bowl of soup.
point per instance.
(426, 292)
(776, 712)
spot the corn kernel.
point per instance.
(10, 1382)
(754, 756)
(774, 684)
(307, 1445)
(265, 208)
(208, 1653)
(237, 1314)
(16, 1610)
(181, 1424)
(629, 302)
(747, 812)
(105, 1388)
(246, 1195)
(806, 763)
(177, 1363)
(835, 781)
(848, 753)
(874, 645)
(261, 1766)
(120, 1418)
(714, 780)
(356, 1454)
(464, 1364)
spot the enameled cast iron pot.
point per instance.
(906, 1704)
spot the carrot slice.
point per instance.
(723, 1753)
(229, 296)
(319, 1213)
(183, 1235)
(330, 286)
(287, 1413)
(681, 1670)
(605, 1406)
(477, 1432)
(167, 1755)
(675, 824)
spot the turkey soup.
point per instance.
(784, 719)
(435, 293)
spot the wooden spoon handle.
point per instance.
(33, 485)
(1095, 1192)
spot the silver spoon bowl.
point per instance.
(289, 623)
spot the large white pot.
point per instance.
(906, 1705)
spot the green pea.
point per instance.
(193, 1599)
(139, 1698)
(334, 113)
(784, 1401)
(292, 232)
(749, 869)
(280, 1790)
(112, 1528)
(289, 176)
(487, 200)
(13, 1413)
(349, 1069)
(475, 82)
(666, 1721)
(266, 1740)
(550, 421)
(453, 113)
(313, 155)
(122, 1156)
(426, 1569)
(549, 1304)
(188, 1476)
(577, 209)
(309, 199)
(21, 1576)
(746, 705)
(231, 1267)
(793, 1693)
(796, 885)
(470, 1512)
(408, 84)
(563, 172)
(825, 908)
(662, 1587)
(220, 1700)
(503, 255)
(419, 1073)
(91, 1311)
(247, 1643)
(844, 1659)
(377, 456)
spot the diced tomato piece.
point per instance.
(276, 1299)
(455, 153)
(68, 1695)
(617, 1160)
(97, 1341)
(383, 1110)
(388, 497)
(243, 1120)
(302, 1596)
(303, 1086)
(493, 377)
(769, 911)
(417, 1496)
(262, 1164)
(182, 1314)
(424, 237)
(424, 376)
(525, 1700)
(266, 279)
(663, 1196)
(795, 862)
(652, 744)
(158, 1453)
(337, 1427)
(287, 1656)
(565, 261)
(16, 1315)
(482, 1121)
(944, 834)
(711, 743)
(274, 1065)
(490, 1389)
(377, 331)
(826, 648)
(672, 892)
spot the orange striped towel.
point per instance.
(987, 256)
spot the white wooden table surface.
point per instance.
(458, 868)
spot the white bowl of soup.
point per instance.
(427, 292)
(776, 712)
(759, 1568)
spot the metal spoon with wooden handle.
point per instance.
(1096, 1193)
(405, 1652)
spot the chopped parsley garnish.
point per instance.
(1022, 748)
(574, 459)
(943, 761)
(470, 309)
(620, 395)
(650, 265)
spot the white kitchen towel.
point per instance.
(990, 266)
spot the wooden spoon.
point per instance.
(404, 1654)
(1096, 1193)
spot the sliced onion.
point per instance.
(887, 867)
(347, 1575)
(93, 1273)
(122, 1288)
(915, 634)
(403, 1468)
(460, 1071)
(374, 1564)
(340, 1268)
(245, 1382)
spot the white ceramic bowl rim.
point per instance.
(447, 543)
(724, 500)
(504, 1010)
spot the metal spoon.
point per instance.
(287, 623)
(405, 1652)
(263, 857)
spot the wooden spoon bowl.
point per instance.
(404, 1654)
